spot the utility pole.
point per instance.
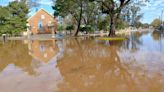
(162, 17)
(162, 27)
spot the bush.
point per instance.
(86, 28)
(60, 28)
(70, 27)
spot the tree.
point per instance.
(103, 22)
(134, 10)
(131, 15)
(156, 23)
(90, 13)
(121, 24)
(87, 11)
(70, 7)
(70, 28)
(139, 24)
(86, 28)
(135, 16)
(113, 9)
(60, 27)
(32, 4)
(17, 21)
(145, 25)
(14, 19)
(4, 13)
(3, 18)
(83, 12)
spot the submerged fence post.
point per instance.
(28, 30)
(4, 37)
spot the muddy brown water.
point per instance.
(83, 65)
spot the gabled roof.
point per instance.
(39, 11)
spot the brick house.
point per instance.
(40, 21)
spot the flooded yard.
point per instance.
(83, 64)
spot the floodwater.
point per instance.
(83, 65)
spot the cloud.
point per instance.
(46, 2)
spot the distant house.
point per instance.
(40, 23)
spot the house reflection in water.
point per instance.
(21, 72)
(43, 51)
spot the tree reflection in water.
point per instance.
(133, 41)
(90, 67)
(16, 53)
(156, 35)
(82, 65)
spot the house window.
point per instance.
(42, 17)
(40, 26)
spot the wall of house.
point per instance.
(39, 23)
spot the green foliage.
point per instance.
(121, 24)
(103, 23)
(74, 8)
(60, 28)
(70, 27)
(112, 38)
(86, 12)
(82, 12)
(156, 23)
(138, 25)
(145, 25)
(90, 13)
(135, 16)
(13, 18)
(4, 14)
(86, 28)
(115, 6)
(64, 7)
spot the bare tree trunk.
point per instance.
(112, 27)
(78, 27)
(79, 21)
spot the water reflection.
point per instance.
(89, 67)
(11, 53)
(156, 36)
(159, 37)
(42, 50)
(133, 42)
(83, 65)
(29, 66)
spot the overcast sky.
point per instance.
(151, 11)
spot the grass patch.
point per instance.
(112, 38)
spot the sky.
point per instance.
(44, 4)
(151, 11)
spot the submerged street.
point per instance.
(83, 64)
